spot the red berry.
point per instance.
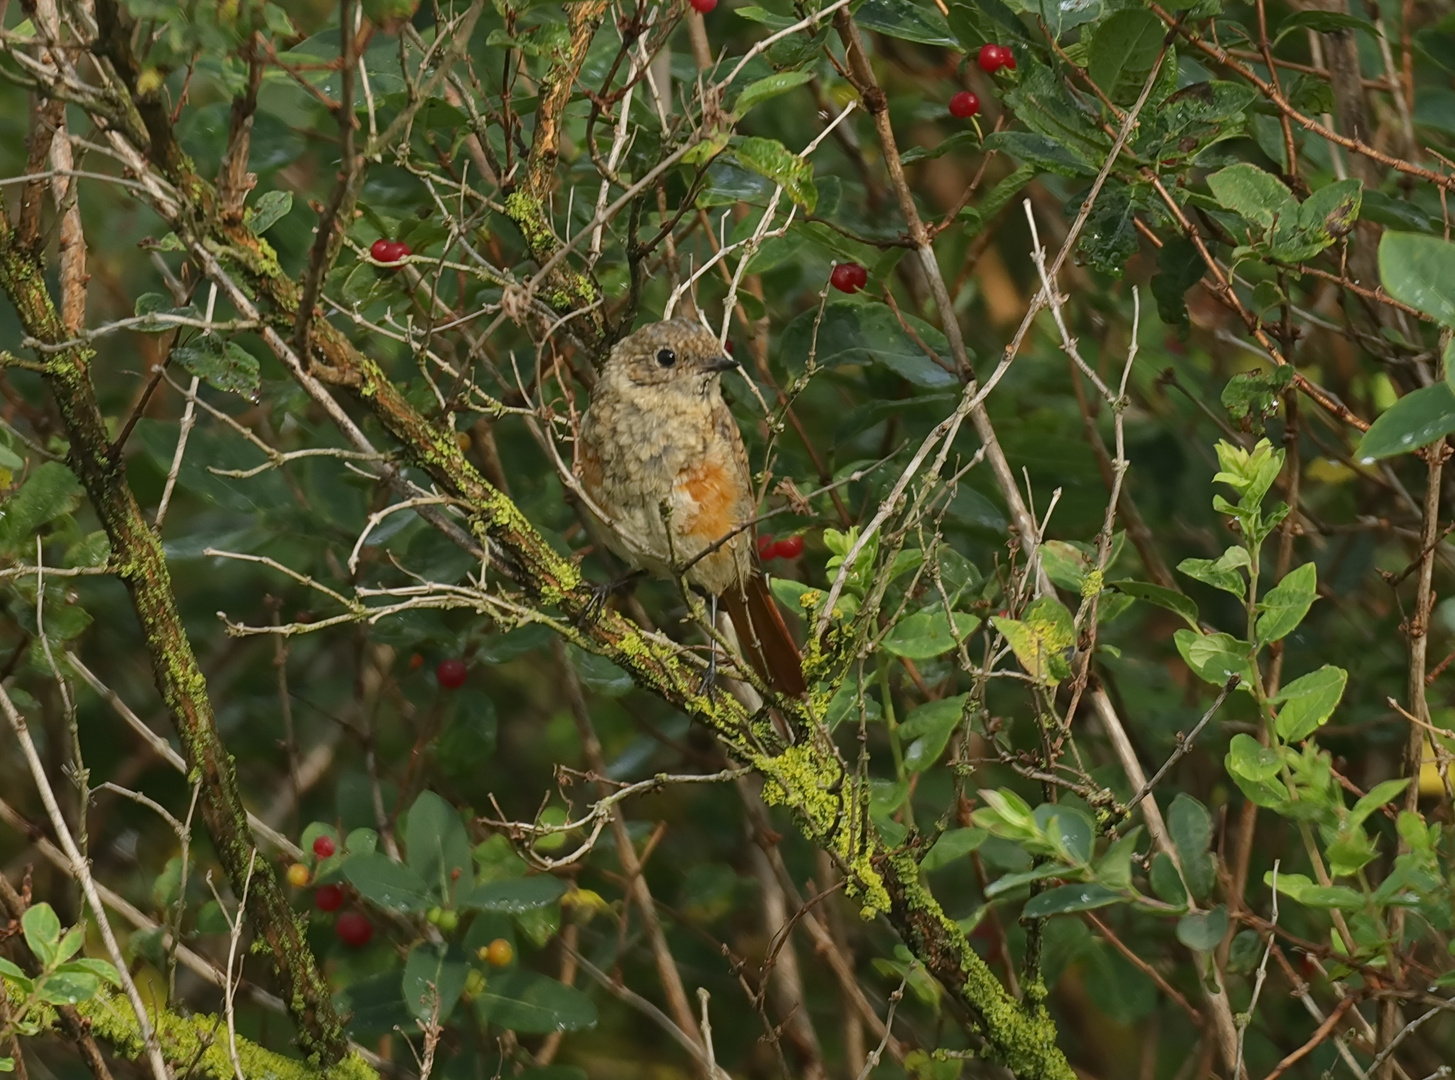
(323, 846)
(964, 105)
(328, 897)
(765, 546)
(1009, 57)
(993, 57)
(389, 251)
(790, 547)
(353, 929)
(451, 673)
(849, 277)
(416, 661)
(702, 7)
(298, 875)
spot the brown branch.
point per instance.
(142, 567)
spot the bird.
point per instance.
(660, 454)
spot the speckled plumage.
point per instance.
(660, 434)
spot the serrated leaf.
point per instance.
(1045, 154)
(859, 333)
(1309, 701)
(907, 20)
(1124, 46)
(223, 365)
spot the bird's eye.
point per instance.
(666, 358)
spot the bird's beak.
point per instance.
(721, 363)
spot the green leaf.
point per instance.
(907, 20)
(1220, 573)
(1309, 701)
(1325, 22)
(928, 633)
(1287, 603)
(927, 728)
(1415, 420)
(1046, 154)
(770, 158)
(755, 93)
(1301, 889)
(1253, 194)
(866, 333)
(1331, 211)
(42, 933)
(1378, 795)
(1124, 46)
(1180, 267)
(48, 492)
(953, 845)
(1251, 760)
(1419, 271)
(1041, 639)
(434, 979)
(271, 207)
(387, 883)
(531, 1004)
(67, 987)
(1175, 602)
(436, 844)
(223, 365)
(1214, 658)
(514, 895)
(1191, 828)
(1166, 882)
(1065, 898)
(1203, 930)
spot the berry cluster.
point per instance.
(389, 251)
(991, 58)
(790, 547)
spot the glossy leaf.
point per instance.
(1420, 271)
(1287, 603)
(927, 634)
(1415, 420)
(531, 1004)
(514, 895)
(1068, 898)
(389, 884)
(1307, 702)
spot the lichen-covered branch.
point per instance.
(137, 559)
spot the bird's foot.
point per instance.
(600, 594)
